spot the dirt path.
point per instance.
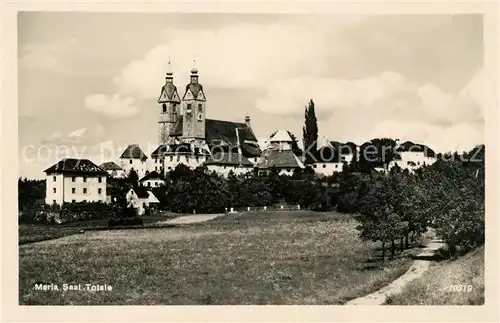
(195, 218)
(416, 270)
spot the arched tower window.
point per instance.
(200, 112)
(164, 106)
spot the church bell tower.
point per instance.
(169, 102)
(194, 111)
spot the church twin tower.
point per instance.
(187, 114)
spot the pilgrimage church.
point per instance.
(187, 136)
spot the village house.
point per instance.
(412, 156)
(75, 180)
(224, 162)
(133, 158)
(141, 198)
(281, 153)
(331, 156)
(152, 179)
(113, 170)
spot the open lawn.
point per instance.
(250, 258)
(433, 288)
(29, 233)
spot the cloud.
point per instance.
(385, 105)
(77, 132)
(290, 64)
(46, 55)
(251, 56)
(114, 107)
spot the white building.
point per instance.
(133, 158)
(331, 157)
(412, 156)
(113, 170)
(152, 179)
(75, 180)
(141, 198)
(225, 162)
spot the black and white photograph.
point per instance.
(218, 158)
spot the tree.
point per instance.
(132, 177)
(310, 132)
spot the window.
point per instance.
(54, 178)
(73, 190)
(54, 190)
(187, 159)
(178, 158)
(156, 168)
(100, 179)
(200, 107)
(164, 106)
(85, 179)
(131, 162)
(324, 165)
(169, 167)
(99, 190)
(73, 178)
(171, 158)
(84, 191)
(156, 183)
(156, 160)
(53, 201)
(197, 158)
(149, 184)
(188, 110)
(315, 165)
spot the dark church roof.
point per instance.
(134, 152)
(177, 149)
(169, 89)
(195, 88)
(220, 132)
(72, 165)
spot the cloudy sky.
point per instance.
(90, 80)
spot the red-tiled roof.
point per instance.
(72, 165)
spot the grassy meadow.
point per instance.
(250, 258)
(433, 288)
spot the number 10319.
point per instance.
(460, 288)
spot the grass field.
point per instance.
(254, 258)
(29, 233)
(433, 288)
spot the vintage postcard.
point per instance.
(263, 155)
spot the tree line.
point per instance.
(447, 196)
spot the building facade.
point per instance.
(75, 180)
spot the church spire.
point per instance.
(194, 73)
(169, 76)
